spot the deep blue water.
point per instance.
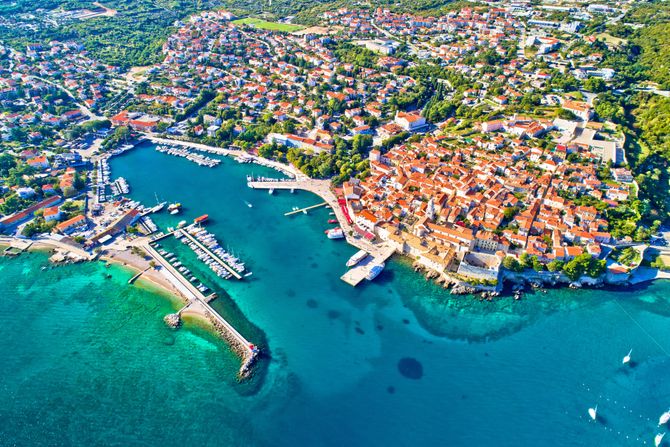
(394, 362)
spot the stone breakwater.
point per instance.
(248, 355)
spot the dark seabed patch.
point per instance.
(334, 314)
(290, 292)
(312, 303)
(405, 320)
(380, 327)
(410, 368)
(314, 265)
(360, 331)
(391, 390)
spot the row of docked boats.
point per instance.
(149, 225)
(221, 256)
(174, 262)
(101, 180)
(120, 186)
(199, 159)
(121, 149)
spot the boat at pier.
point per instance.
(375, 271)
(335, 233)
(356, 258)
(201, 219)
(332, 221)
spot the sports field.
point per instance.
(272, 26)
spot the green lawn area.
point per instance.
(616, 41)
(272, 26)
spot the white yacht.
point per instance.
(356, 258)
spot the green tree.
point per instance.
(511, 263)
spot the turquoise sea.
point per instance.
(87, 359)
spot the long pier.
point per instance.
(244, 347)
(302, 210)
(215, 257)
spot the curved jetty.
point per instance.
(198, 303)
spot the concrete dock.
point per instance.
(356, 274)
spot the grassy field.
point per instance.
(611, 39)
(271, 26)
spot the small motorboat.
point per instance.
(332, 221)
(593, 412)
(626, 359)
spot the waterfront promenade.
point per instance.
(379, 252)
(281, 167)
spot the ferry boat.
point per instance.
(356, 258)
(375, 271)
(335, 233)
(201, 219)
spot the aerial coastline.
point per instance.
(309, 223)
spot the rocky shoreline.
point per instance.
(526, 281)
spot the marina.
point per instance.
(199, 159)
(120, 186)
(205, 245)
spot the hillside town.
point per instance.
(477, 142)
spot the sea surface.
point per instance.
(87, 359)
